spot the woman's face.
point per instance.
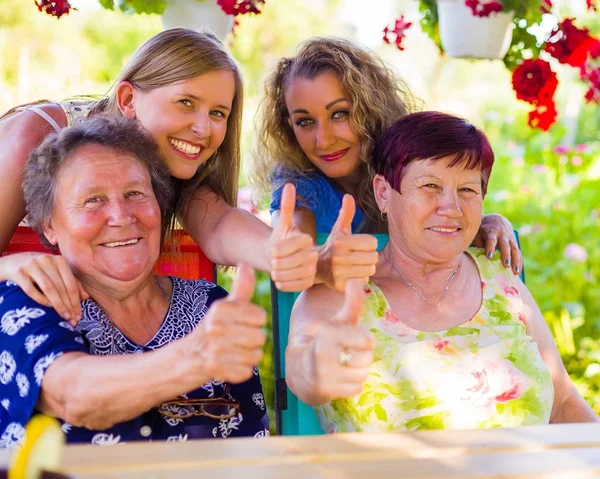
(187, 119)
(106, 219)
(439, 211)
(319, 110)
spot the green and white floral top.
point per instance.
(484, 373)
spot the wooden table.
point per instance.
(559, 451)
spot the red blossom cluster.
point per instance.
(240, 7)
(57, 8)
(535, 82)
(576, 47)
(397, 33)
(591, 4)
(483, 9)
(571, 45)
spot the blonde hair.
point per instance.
(377, 96)
(179, 54)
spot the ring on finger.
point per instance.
(345, 357)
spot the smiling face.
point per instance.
(106, 220)
(187, 119)
(439, 211)
(319, 110)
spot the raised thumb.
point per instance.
(285, 221)
(242, 288)
(343, 224)
(354, 303)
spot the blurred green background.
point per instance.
(547, 184)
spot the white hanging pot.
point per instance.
(197, 15)
(465, 35)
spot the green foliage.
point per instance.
(135, 6)
(552, 196)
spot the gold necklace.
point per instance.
(452, 276)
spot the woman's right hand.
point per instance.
(229, 342)
(48, 280)
(342, 351)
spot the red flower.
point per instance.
(534, 80)
(571, 45)
(543, 116)
(57, 8)
(399, 30)
(591, 4)
(240, 7)
(480, 9)
(593, 77)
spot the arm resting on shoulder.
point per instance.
(97, 392)
(20, 133)
(568, 406)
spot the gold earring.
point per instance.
(383, 216)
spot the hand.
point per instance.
(342, 350)
(497, 230)
(48, 280)
(294, 258)
(348, 255)
(230, 339)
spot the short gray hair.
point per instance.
(117, 133)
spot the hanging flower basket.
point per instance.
(197, 15)
(502, 29)
(464, 35)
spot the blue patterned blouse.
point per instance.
(33, 336)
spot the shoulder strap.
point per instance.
(42, 113)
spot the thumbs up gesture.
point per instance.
(229, 341)
(348, 255)
(294, 258)
(342, 350)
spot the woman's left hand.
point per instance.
(496, 230)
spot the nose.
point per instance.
(120, 213)
(449, 204)
(201, 125)
(325, 137)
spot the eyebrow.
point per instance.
(194, 97)
(327, 107)
(421, 177)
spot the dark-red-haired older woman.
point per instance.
(439, 338)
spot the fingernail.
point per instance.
(67, 316)
(490, 254)
(517, 269)
(507, 262)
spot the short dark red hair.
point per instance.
(431, 135)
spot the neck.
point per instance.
(429, 275)
(349, 184)
(138, 310)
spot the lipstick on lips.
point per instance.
(334, 156)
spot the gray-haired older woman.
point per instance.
(96, 192)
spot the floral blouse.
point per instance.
(32, 337)
(484, 373)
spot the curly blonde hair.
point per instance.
(378, 97)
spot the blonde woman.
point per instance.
(187, 92)
(323, 110)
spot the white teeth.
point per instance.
(445, 230)
(185, 147)
(120, 243)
